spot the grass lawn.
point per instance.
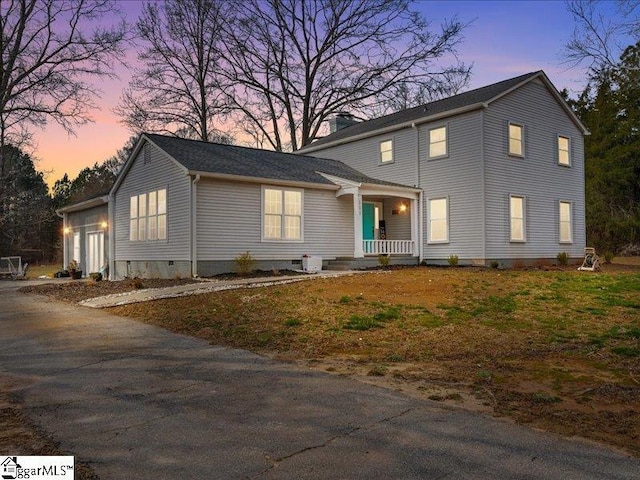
(558, 350)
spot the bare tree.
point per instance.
(601, 34)
(292, 64)
(49, 58)
(176, 90)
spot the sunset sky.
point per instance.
(506, 39)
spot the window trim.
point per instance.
(446, 141)
(524, 220)
(430, 241)
(558, 137)
(522, 140)
(560, 240)
(282, 189)
(393, 151)
(145, 219)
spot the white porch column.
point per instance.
(415, 226)
(358, 251)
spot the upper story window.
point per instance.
(282, 214)
(516, 140)
(565, 223)
(386, 151)
(516, 214)
(438, 220)
(564, 155)
(148, 216)
(438, 142)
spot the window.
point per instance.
(516, 207)
(133, 219)
(565, 222)
(148, 216)
(516, 140)
(564, 157)
(438, 222)
(386, 151)
(142, 213)
(282, 214)
(438, 142)
(157, 217)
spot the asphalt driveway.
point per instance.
(135, 401)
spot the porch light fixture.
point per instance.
(66, 230)
(403, 207)
(104, 224)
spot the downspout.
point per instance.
(111, 235)
(484, 187)
(420, 196)
(194, 233)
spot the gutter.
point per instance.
(271, 181)
(194, 233)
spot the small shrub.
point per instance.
(245, 263)
(384, 260)
(563, 259)
(452, 260)
(292, 322)
(494, 264)
(608, 256)
(346, 299)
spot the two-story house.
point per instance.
(491, 175)
(500, 170)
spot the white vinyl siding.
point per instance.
(438, 142)
(386, 151)
(438, 220)
(282, 214)
(148, 216)
(516, 140)
(565, 223)
(516, 214)
(564, 155)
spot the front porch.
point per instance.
(386, 218)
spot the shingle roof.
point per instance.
(216, 158)
(466, 99)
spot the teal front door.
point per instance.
(368, 221)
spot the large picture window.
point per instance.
(438, 220)
(516, 208)
(282, 214)
(148, 216)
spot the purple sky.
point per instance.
(506, 39)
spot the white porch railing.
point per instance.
(387, 247)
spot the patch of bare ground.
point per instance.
(19, 435)
(552, 348)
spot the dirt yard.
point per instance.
(554, 349)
